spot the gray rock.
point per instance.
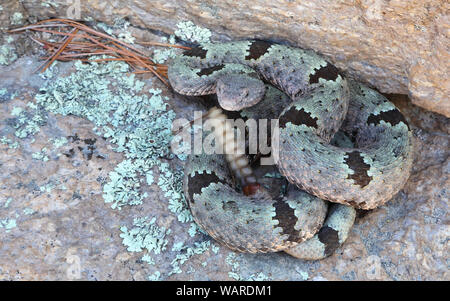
(397, 47)
(55, 224)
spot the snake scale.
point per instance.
(320, 104)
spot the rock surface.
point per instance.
(55, 224)
(395, 46)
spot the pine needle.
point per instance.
(81, 41)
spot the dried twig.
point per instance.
(81, 41)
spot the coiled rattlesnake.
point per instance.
(322, 102)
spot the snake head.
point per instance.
(238, 91)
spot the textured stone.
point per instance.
(64, 230)
(13, 13)
(395, 46)
(55, 225)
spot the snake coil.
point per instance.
(321, 106)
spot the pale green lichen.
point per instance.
(178, 246)
(232, 261)
(47, 187)
(8, 224)
(5, 140)
(155, 277)
(119, 25)
(106, 28)
(28, 122)
(215, 248)
(49, 4)
(58, 142)
(193, 229)
(7, 55)
(28, 211)
(8, 201)
(13, 95)
(149, 177)
(16, 18)
(304, 275)
(16, 111)
(160, 56)
(186, 252)
(41, 155)
(158, 102)
(126, 37)
(148, 259)
(123, 187)
(139, 125)
(50, 71)
(9, 142)
(188, 31)
(258, 277)
(180, 147)
(145, 235)
(171, 183)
